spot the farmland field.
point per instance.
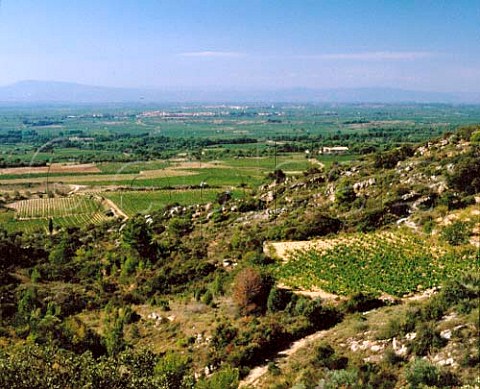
(395, 262)
(64, 212)
(143, 202)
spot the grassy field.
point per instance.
(396, 263)
(144, 202)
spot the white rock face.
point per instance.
(446, 334)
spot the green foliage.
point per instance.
(320, 316)
(113, 334)
(207, 297)
(421, 372)
(128, 267)
(179, 227)
(27, 303)
(466, 173)
(427, 339)
(475, 137)
(325, 357)
(278, 299)
(361, 302)
(173, 372)
(35, 276)
(462, 292)
(307, 226)
(389, 159)
(467, 132)
(377, 262)
(457, 233)
(347, 379)
(226, 378)
(345, 195)
(33, 366)
(138, 235)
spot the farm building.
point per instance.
(333, 150)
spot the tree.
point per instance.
(278, 175)
(345, 195)
(113, 338)
(50, 226)
(250, 291)
(173, 371)
(466, 174)
(138, 235)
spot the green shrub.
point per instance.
(278, 299)
(463, 292)
(457, 233)
(346, 379)
(207, 298)
(361, 302)
(325, 357)
(173, 371)
(427, 339)
(226, 378)
(273, 368)
(421, 372)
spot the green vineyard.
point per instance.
(64, 212)
(395, 263)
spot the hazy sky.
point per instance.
(423, 45)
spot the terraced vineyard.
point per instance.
(395, 263)
(67, 211)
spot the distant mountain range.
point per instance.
(64, 92)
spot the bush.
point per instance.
(463, 292)
(457, 233)
(466, 175)
(325, 357)
(173, 371)
(345, 195)
(346, 379)
(227, 378)
(278, 299)
(361, 302)
(427, 339)
(321, 317)
(250, 291)
(421, 372)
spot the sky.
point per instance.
(270, 44)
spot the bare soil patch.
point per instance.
(54, 168)
(283, 249)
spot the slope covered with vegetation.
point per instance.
(193, 295)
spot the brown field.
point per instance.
(160, 173)
(54, 168)
(180, 168)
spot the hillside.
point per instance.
(373, 262)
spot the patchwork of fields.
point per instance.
(161, 182)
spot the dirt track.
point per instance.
(258, 372)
